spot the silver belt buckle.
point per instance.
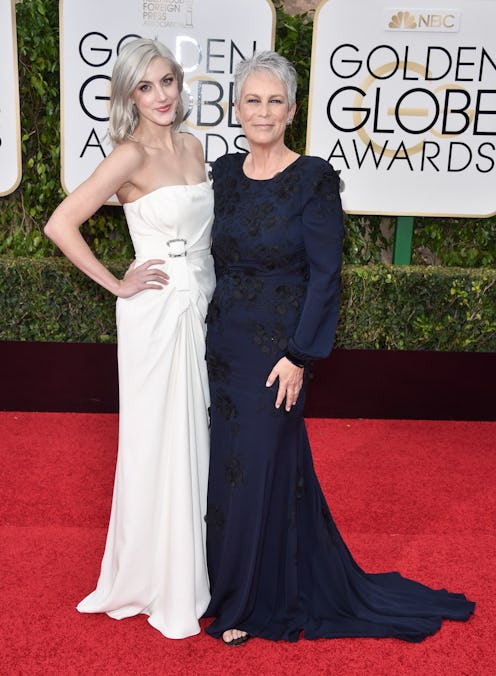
(177, 247)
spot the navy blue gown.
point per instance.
(278, 566)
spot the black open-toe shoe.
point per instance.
(236, 641)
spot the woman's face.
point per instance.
(157, 95)
(263, 110)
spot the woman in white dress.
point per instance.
(154, 561)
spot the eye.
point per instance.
(144, 87)
(252, 100)
(276, 101)
(167, 80)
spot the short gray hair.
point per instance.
(129, 69)
(270, 62)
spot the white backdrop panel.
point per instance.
(208, 37)
(10, 139)
(403, 102)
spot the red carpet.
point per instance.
(413, 496)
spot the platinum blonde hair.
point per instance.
(269, 62)
(129, 69)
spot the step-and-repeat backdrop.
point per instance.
(208, 37)
(403, 102)
(402, 96)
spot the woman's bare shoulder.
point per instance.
(190, 140)
(129, 151)
(192, 145)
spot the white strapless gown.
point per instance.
(155, 559)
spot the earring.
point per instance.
(289, 122)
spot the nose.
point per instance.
(264, 109)
(160, 93)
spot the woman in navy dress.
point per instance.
(277, 563)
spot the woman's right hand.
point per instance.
(141, 277)
(290, 382)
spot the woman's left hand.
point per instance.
(290, 382)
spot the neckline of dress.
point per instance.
(272, 178)
(164, 187)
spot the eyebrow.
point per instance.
(271, 95)
(171, 74)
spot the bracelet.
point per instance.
(294, 360)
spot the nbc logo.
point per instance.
(403, 20)
(422, 20)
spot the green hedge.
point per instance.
(383, 306)
(418, 308)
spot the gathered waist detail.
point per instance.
(176, 257)
(168, 255)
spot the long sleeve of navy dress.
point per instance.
(278, 565)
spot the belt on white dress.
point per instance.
(180, 255)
